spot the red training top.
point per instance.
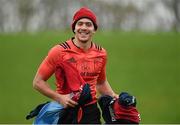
(90, 64)
(129, 113)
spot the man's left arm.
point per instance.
(104, 88)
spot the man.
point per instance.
(86, 56)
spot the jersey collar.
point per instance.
(78, 48)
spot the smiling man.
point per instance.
(87, 57)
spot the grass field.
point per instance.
(146, 65)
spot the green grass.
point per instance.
(146, 65)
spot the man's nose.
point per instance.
(84, 26)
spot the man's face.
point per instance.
(84, 30)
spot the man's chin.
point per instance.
(84, 40)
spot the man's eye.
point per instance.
(88, 24)
(80, 23)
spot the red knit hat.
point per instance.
(84, 12)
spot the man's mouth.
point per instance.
(83, 32)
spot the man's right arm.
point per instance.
(45, 71)
(43, 87)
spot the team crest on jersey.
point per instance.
(98, 62)
(98, 59)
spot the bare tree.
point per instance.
(176, 8)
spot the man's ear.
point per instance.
(74, 31)
(94, 31)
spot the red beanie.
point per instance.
(84, 12)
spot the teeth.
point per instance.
(83, 33)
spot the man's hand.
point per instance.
(66, 100)
(116, 96)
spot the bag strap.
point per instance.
(113, 119)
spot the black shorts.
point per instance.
(90, 115)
